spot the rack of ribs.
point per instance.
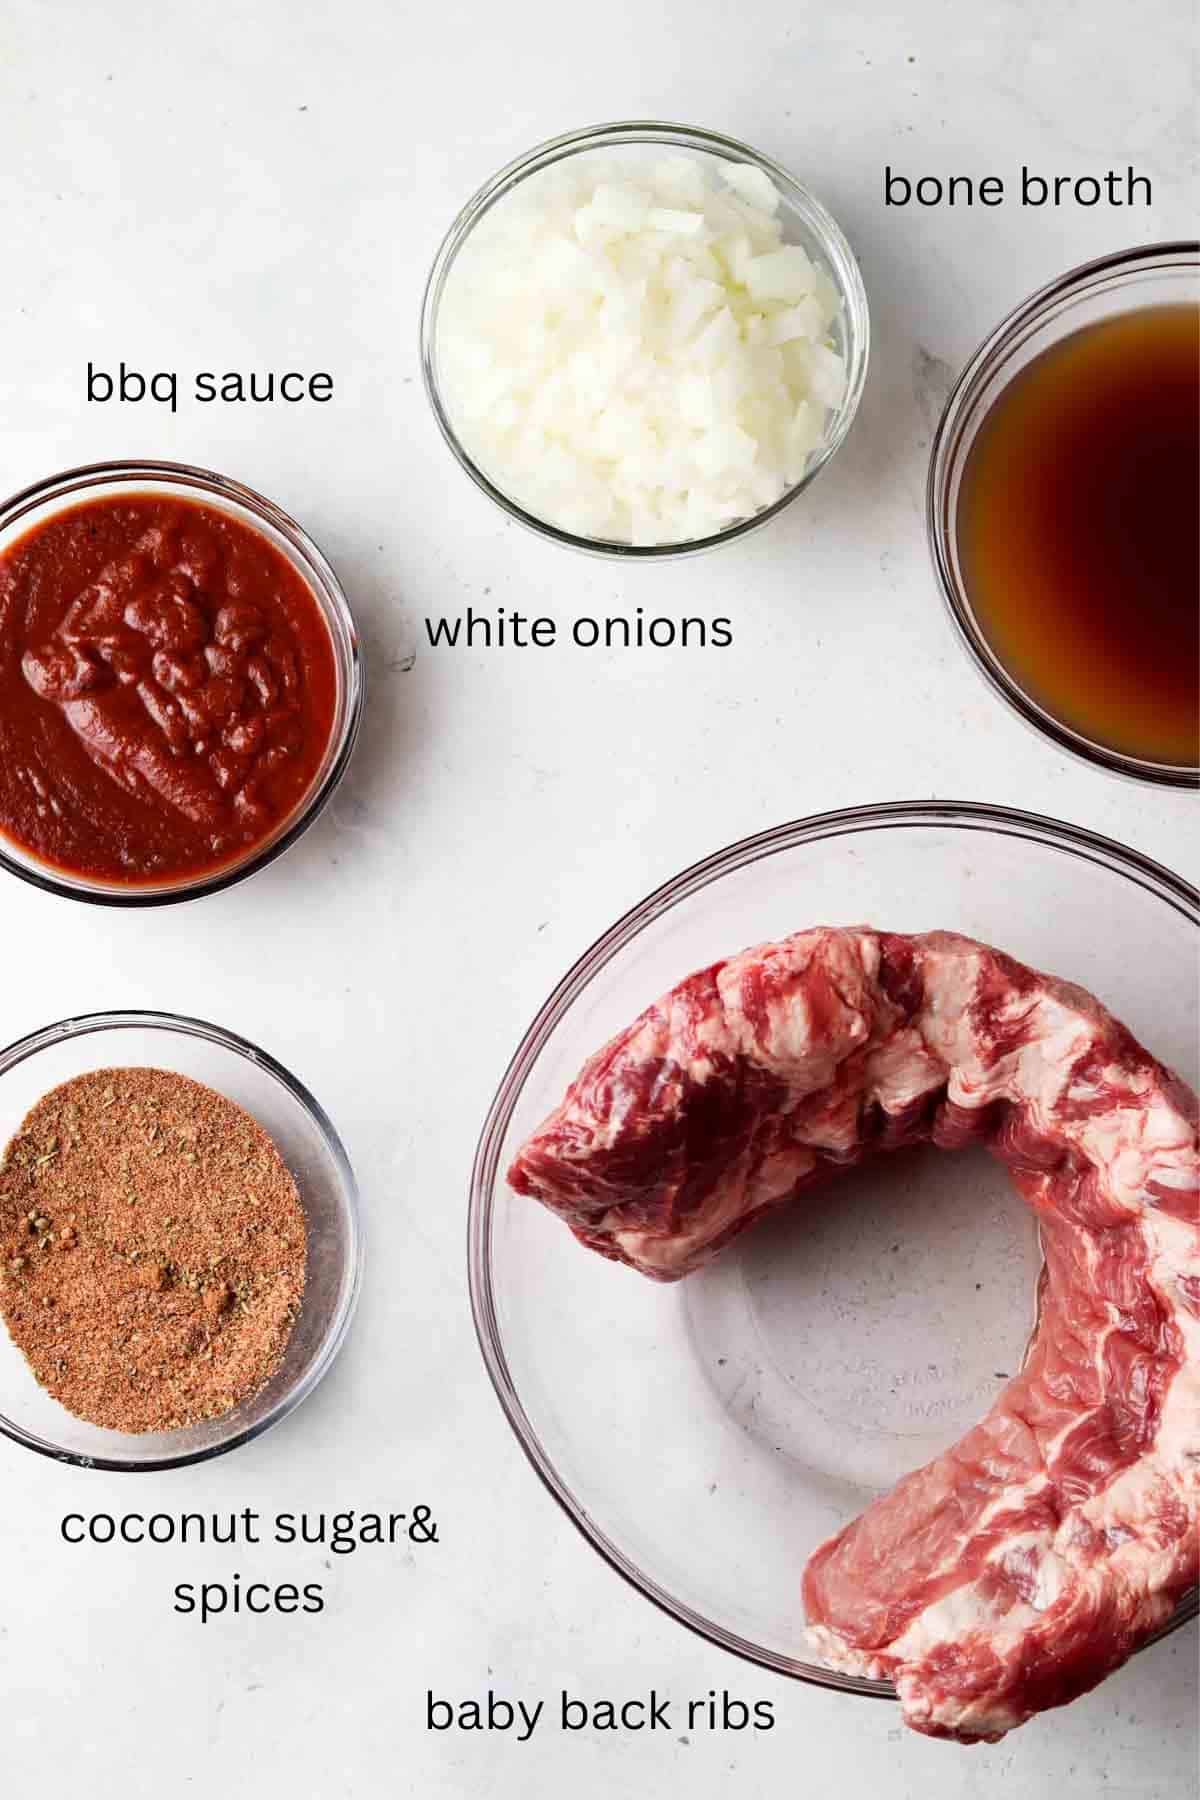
(1018, 1569)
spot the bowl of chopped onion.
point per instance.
(644, 340)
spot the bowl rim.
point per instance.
(835, 247)
(965, 815)
(1100, 274)
(184, 1024)
(70, 487)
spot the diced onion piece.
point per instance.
(622, 206)
(755, 187)
(668, 218)
(725, 447)
(804, 320)
(680, 181)
(826, 374)
(785, 274)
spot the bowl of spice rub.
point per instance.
(180, 1244)
(180, 682)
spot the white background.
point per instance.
(263, 187)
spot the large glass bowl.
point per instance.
(805, 222)
(705, 1437)
(313, 1153)
(1153, 275)
(98, 481)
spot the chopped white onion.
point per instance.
(632, 353)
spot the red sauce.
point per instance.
(167, 689)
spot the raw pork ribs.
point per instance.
(1020, 1568)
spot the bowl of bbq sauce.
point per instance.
(1062, 512)
(180, 682)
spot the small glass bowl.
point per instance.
(95, 481)
(805, 222)
(706, 1436)
(1155, 274)
(313, 1153)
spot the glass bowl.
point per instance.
(313, 1153)
(706, 1436)
(94, 481)
(805, 222)
(1155, 274)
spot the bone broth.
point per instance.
(1077, 532)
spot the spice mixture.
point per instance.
(152, 1249)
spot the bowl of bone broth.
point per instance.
(1062, 512)
(643, 340)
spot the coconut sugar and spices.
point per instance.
(152, 1249)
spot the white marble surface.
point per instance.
(265, 186)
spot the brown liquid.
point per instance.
(1078, 534)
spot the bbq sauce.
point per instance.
(1077, 532)
(167, 689)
